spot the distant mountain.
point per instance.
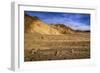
(35, 25)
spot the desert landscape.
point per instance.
(44, 41)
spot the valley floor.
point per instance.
(56, 47)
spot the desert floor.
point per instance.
(56, 47)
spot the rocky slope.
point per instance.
(35, 25)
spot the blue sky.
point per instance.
(76, 21)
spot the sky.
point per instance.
(77, 21)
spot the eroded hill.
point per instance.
(35, 25)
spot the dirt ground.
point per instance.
(56, 47)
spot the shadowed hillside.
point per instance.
(62, 28)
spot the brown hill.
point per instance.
(35, 25)
(62, 28)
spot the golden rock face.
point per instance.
(35, 25)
